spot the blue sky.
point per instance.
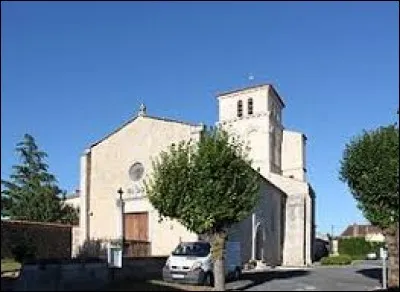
(71, 72)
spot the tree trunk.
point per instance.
(391, 236)
(218, 251)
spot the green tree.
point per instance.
(370, 167)
(69, 214)
(206, 186)
(32, 193)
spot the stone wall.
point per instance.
(88, 275)
(140, 268)
(268, 214)
(63, 276)
(300, 212)
(47, 240)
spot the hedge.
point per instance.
(342, 259)
(358, 247)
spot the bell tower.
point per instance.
(254, 115)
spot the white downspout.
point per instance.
(253, 237)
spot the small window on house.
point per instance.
(240, 109)
(250, 106)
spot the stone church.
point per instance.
(279, 232)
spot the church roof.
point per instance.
(252, 87)
(145, 116)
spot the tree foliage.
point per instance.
(206, 186)
(32, 192)
(370, 167)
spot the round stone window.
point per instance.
(136, 171)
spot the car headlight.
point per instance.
(167, 263)
(197, 265)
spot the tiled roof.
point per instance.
(360, 230)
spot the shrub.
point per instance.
(358, 247)
(23, 250)
(92, 248)
(358, 257)
(343, 259)
(321, 249)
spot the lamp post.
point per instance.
(121, 219)
(115, 251)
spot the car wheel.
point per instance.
(209, 279)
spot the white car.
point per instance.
(372, 256)
(191, 263)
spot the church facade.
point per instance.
(279, 232)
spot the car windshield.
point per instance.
(197, 249)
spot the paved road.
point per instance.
(363, 276)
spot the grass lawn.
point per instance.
(8, 265)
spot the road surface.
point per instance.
(361, 276)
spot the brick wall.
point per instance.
(48, 240)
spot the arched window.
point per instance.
(250, 106)
(239, 109)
